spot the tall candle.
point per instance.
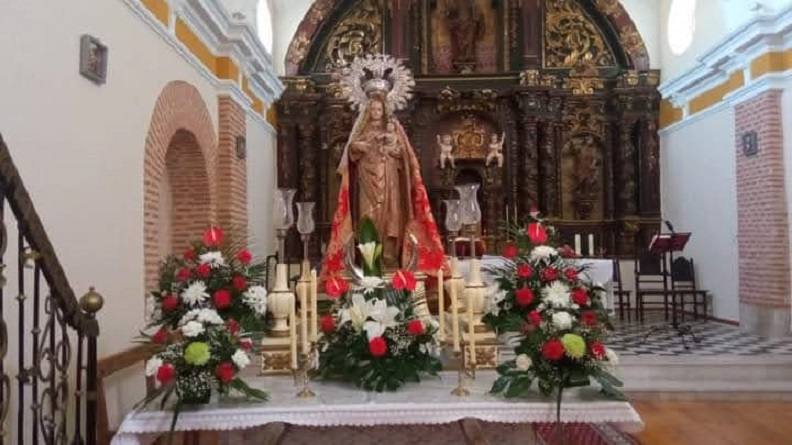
(591, 244)
(304, 288)
(293, 332)
(471, 328)
(314, 306)
(577, 244)
(455, 313)
(440, 305)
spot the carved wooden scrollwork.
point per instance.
(358, 34)
(571, 39)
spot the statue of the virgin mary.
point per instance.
(380, 174)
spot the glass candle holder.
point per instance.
(470, 210)
(305, 223)
(453, 221)
(284, 217)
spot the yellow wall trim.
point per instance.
(195, 45)
(226, 69)
(716, 94)
(272, 115)
(159, 8)
(669, 114)
(772, 62)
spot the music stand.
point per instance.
(664, 245)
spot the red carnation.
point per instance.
(239, 283)
(510, 251)
(335, 287)
(566, 251)
(534, 317)
(213, 236)
(203, 270)
(246, 344)
(571, 274)
(524, 271)
(327, 323)
(589, 318)
(580, 296)
(553, 350)
(597, 350)
(245, 257)
(160, 337)
(524, 296)
(415, 327)
(549, 274)
(537, 233)
(225, 372)
(378, 347)
(183, 274)
(170, 303)
(233, 327)
(222, 299)
(189, 255)
(403, 280)
(165, 373)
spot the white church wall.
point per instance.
(698, 177)
(287, 15)
(262, 181)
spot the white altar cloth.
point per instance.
(429, 402)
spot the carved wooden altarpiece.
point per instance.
(566, 81)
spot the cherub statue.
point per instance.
(495, 149)
(446, 144)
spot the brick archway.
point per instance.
(181, 148)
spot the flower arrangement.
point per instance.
(559, 314)
(205, 317)
(374, 336)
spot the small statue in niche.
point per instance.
(466, 26)
(495, 149)
(446, 144)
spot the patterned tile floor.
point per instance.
(714, 339)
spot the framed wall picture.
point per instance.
(241, 147)
(93, 59)
(750, 143)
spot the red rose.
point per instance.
(378, 347)
(571, 274)
(415, 327)
(170, 303)
(239, 283)
(524, 271)
(203, 270)
(580, 296)
(335, 287)
(213, 236)
(183, 274)
(553, 350)
(589, 318)
(165, 373)
(327, 323)
(403, 280)
(245, 257)
(566, 251)
(597, 350)
(222, 299)
(246, 344)
(160, 337)
(189, 255)
(510, 251)
(225, 372)
(524, 296)
(534, 317)
(537, 233)
(233, 327)
(549, 274)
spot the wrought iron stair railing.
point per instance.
(46, 394)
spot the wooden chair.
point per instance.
(651, 280)
(683, 276)
(623, 297)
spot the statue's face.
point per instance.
(376, 110)
(447, 138)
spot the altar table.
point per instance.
(427, 403)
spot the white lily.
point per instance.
(369, 251)
(383, 317)
(357, 313)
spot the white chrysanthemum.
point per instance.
(240, 359)
(256, 298)
(153, 365)
(523, 362)
(195, 293)
(556, 295)
(192, 329)
(494, 296)
(562, 320)
(153, 309)
(214, 259)
(541, 253)
(370, 284)
(209, 316)
(613, 358)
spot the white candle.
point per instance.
(455, 313)
(577, 244)
(314, 306)
(293, 332)
(440, 305)
(304, 289)
(591, 244)
(471, 329)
